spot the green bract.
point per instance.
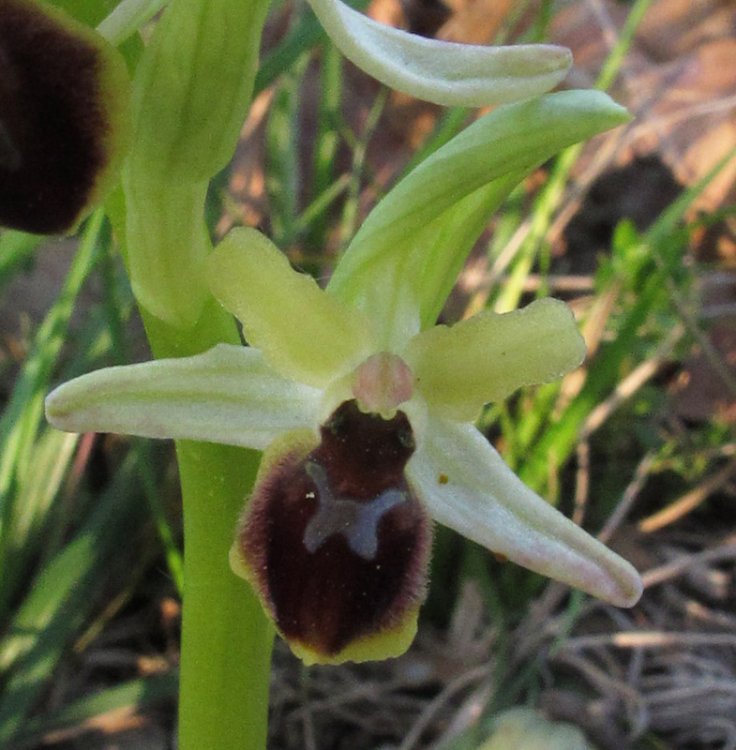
(191, 94)
(442, 72)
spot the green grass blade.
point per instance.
(133, 695)
(23, 415)
(16, 249)
(661, 253)
(282, 158)
(63, 595)
(327, 139)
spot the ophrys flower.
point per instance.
(366, 433)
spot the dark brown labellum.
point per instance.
(57, 114)
(336, 538)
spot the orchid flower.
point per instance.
(65, 129)
(363, 444)
(365, 408)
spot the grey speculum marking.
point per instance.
(357, 521)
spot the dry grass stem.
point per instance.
(689, 501)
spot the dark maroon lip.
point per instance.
(337, 539)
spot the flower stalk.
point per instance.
(226, 640)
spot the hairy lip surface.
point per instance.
(337, 539)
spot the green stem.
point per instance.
(226, 641)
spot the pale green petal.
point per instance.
(304, 333)
(466, 485)
(442, 72)
(495, 151)
(226, 395)
(461, 367)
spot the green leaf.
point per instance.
(62, 598)
(23, 415)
